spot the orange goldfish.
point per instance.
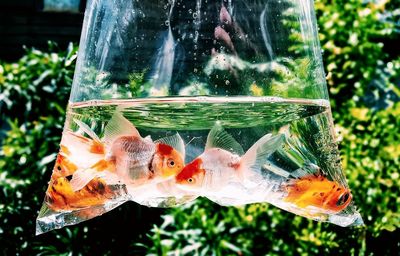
(317, 191)
(221, 163)
(60, 196)
(128, 158)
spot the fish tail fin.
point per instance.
(252, 161)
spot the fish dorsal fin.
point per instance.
(118, 126)
(84, 127)
(219, 138)
(174, 141)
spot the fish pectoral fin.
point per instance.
(219, 138)
(82, 177)
(118, 126)
(174, 141)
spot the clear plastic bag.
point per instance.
(173, 100)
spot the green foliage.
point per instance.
(371, 150)
(205, 228)
(36, 76)
(29, 147)
(353, 35)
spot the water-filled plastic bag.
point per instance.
(175, 100)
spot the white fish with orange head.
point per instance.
(223, 163)
(131, 159)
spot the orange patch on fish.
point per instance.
(164, 149)
(64, 149)
(104, 165)
(319, 192)
(97, 147)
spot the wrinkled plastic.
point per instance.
(175, 100)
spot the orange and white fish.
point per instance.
(128, 158)
(317, 191)
(223, 163)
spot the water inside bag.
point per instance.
(307, 149)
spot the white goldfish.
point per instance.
(223, 163)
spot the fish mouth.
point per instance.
(187, 187)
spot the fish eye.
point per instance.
(343, 199)
(171, 163)
(346, 197)
(190, 180)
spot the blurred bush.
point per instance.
(362, 62)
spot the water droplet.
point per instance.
(167, 23)
(190, 11)
(227, 82)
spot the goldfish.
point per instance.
(60, 196)
(318, 191)
(223, 162)
(129, 158)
